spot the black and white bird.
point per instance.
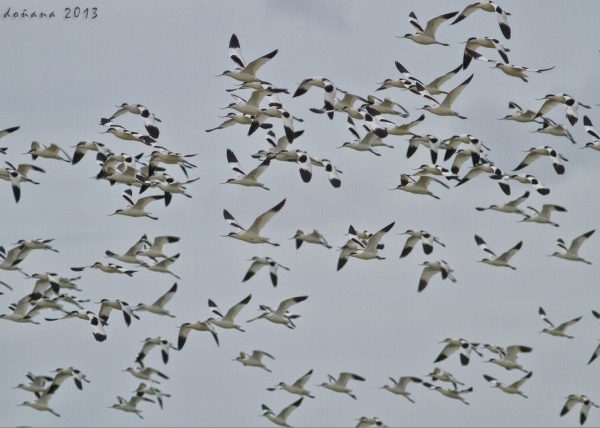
(531, 180)
(536, 153)
(550, 127)
(259, 262)
(156, 249)
(41, 402)
(144, 389)
(314, 237)
(158, 306)
(440, 375)
(84, 146)
(519, 114)
(328, 88)
(512, 388)
(558, 330)
(130, 405)
(511, 207)
(227, 321)
(281, 417)
(507, 357)
(503, 259)
(186, 328)
(570, 103)
(445, 107)
(399, 386)
(233, 118)
(151, 343)
(131, 255)
(543, 216)
(298, 387)
(52, 151)
(509, 69)
(457, 344)
(106, 268)
(18, 175)
(245, 72)
(450, 393)
(281, 315)
(246, 179)
(586, 405)
(473, 43)
(137, 208)
(149, 118)
(589, 128)
(340, 384)
(414, 236)
(163, 265)
(487, 6)
(108, 305)
(572, 253)
(430, 269)
(369, 250)
(426, 36)
(146, 373)
(419, 186)
(254, 359)
(252, 234)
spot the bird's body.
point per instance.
(507, 358)
(512, 388)
(450, 393)
(227, 321)
(431, 268)
(298, 387)
(340, 384)
(186, 328)
(158, 306)
(314, 237)
(501, 260)
(558, 330)
(399, 386)
(369, 250)
(445, 107)
(543, 216)
(510, 207)
(259, 262)
(255, 359)
(426, 36)
(245, 72)
(281, 417)
(586, 405)
(252, 234)
(572, 253)
(487, 6)
(281, 314)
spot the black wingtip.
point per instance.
(505, 30)
(234, 42)
(335, 182)
(305, 175)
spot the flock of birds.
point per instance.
(372, 130)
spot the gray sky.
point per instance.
(61, 76)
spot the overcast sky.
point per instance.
(60, 76)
